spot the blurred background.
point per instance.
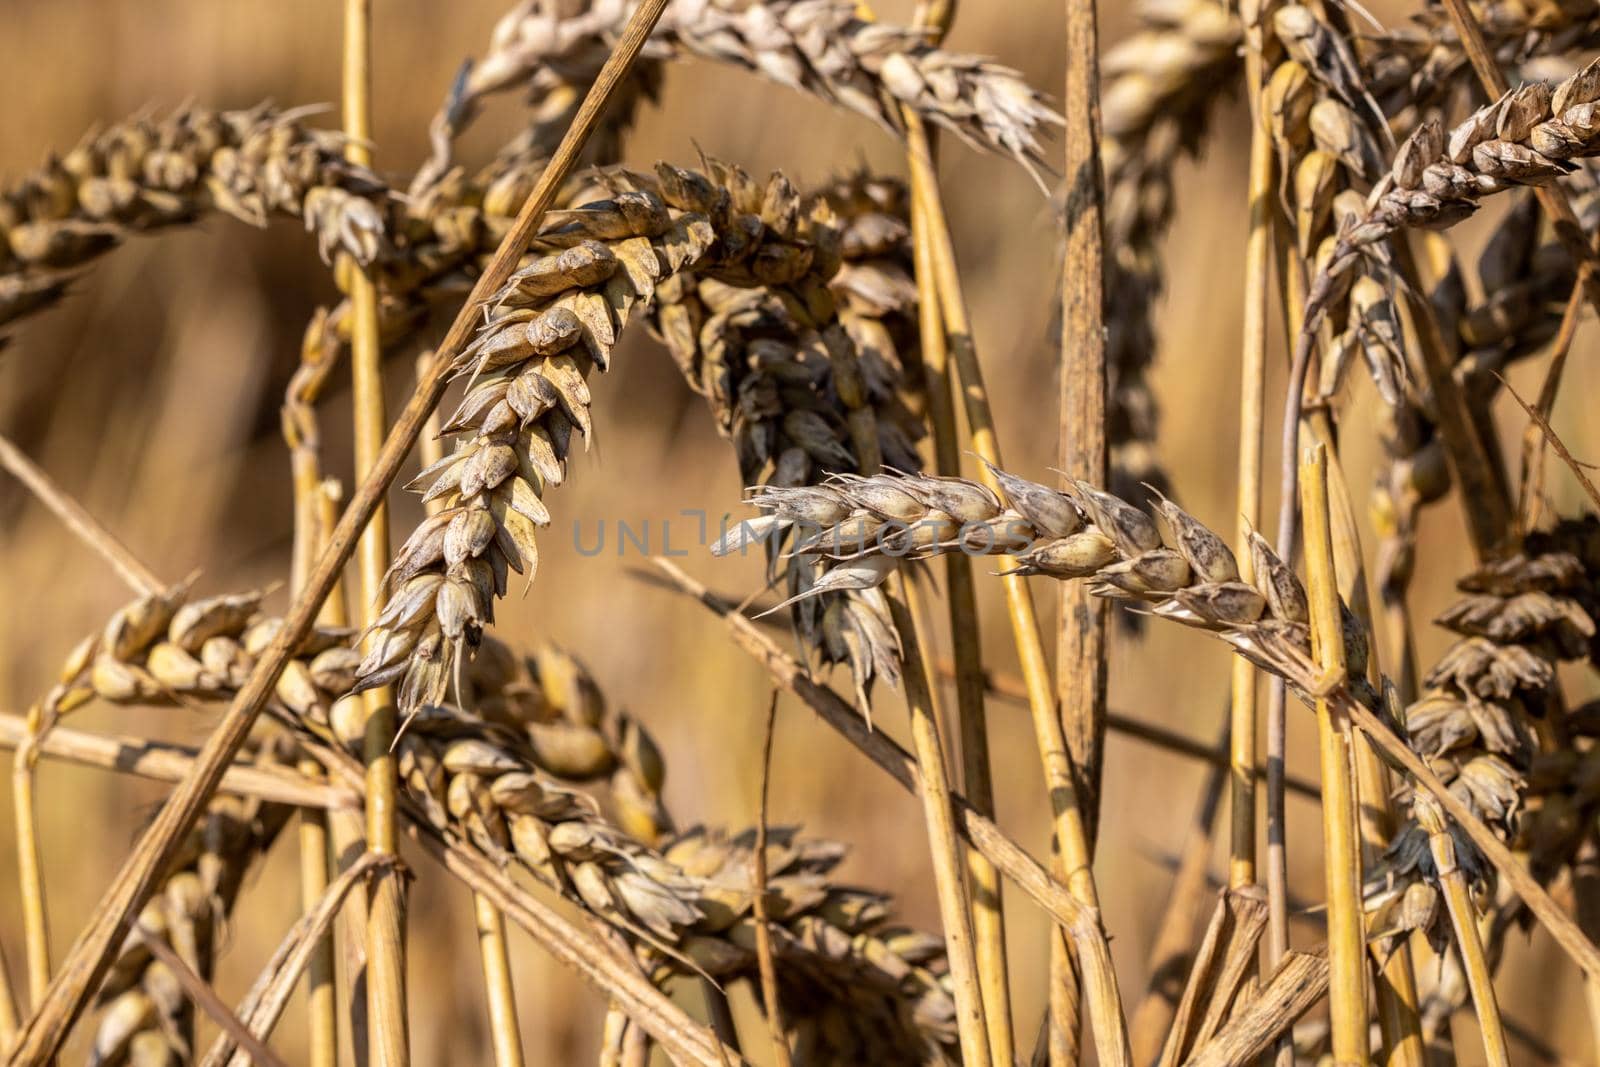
(152, 394)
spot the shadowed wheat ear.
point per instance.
(142, 175)
(806, 387)
(1162, 86)
(817, 46)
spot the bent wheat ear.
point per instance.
(818, 46)
(143, 175)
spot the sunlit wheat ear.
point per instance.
(1530, 136)
(144, 175)
(818, 46)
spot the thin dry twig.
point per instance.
(1531, 483)
(769, 978)
(1540, 420)
(200, 991)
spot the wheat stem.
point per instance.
(322, 1002)
(1464, 922)
(933, 779)
(1395, 991)
(1172, 947)
(30, 866)
(1081, 636)
(93, 952)
(988, 919)
(1081, 652)
(386, 989)
(1347, 958)
(1252, 400)
(769, 976)
(1530, 494)
(1066, 816)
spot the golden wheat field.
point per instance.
(815, 269)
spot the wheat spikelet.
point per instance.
(558, 318)
(1161, 87)
(1527, 137)
(818, 46)
(146, 1015)
(141, 175)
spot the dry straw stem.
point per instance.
(203, 995)
(1071, 841)
(1171, 949)
(163, 762)
(1395, 982)
(1464, 923)
(1347, 955)
(1542, 421)
(1081, 923)
(933, 780)
(1297, 983)
(1081, 652)
(1222, 962)
(1252, 397)
(988, 917)
(322, 994)
(769, 979)
(264, 1002)
(387, 1027)
(91, 955)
